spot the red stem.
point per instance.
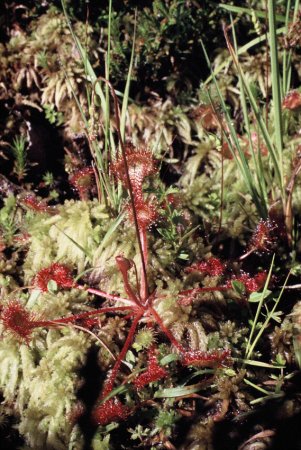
(143, 281)
(129, 183)
(105, 295)
(124, 266)
(110, 383)
(204, 289)
(70, 319)
(166, 330)
(245, 255)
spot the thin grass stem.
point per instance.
(275, 74)
(267, 320)
(250, 344)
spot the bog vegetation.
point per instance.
(150, 225)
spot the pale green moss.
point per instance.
(167, 305)
(71, 236)
(10, 360)
(60, 304)
(47, 392)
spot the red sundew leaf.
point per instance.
(292, 100)
(154, 372)
(263, 237)
(146, 211)
(59, 273)
(252, 284)
(82, 180)
(213, 358)
(213, 267)
(111, 410)
(17, 320)
(141, 164)
(33, 203)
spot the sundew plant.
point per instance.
(149, 288)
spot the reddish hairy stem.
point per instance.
(129, 183)
(130, 292)
(97, 181)
(70, 319)
(110, 383)
(248, 253)
(143, 286)
(165, 330)
(204, 289)
(105, 295)
(130, 188)
(124, 266)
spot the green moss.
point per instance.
(47, 392)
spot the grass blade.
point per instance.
(250, 11)
(250, 347)
(277, 112)
(125, 100)
(233, 142)
(241, 51)
(259, 117)
(287, 66)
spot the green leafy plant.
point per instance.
(18, 149)
(54, 117)
(8, 223)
